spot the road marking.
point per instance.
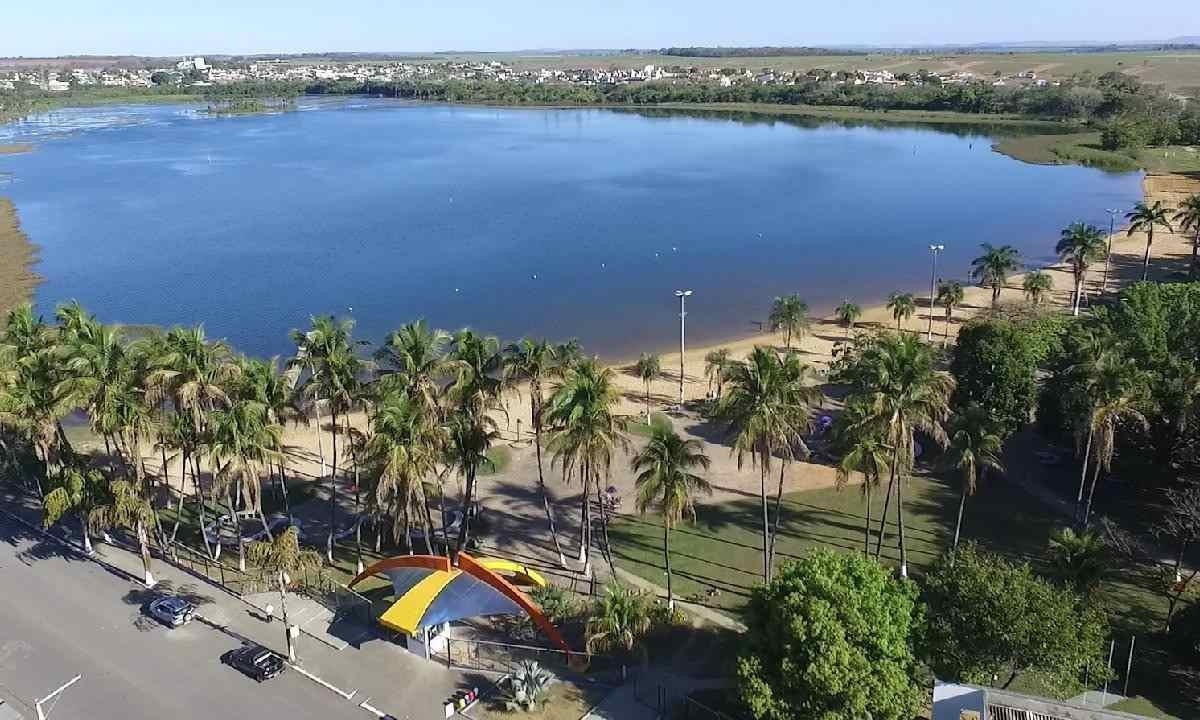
(345, 695)
(372, 709)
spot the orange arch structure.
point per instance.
(420, 580)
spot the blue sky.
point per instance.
(173, 27)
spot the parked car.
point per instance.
(172, 611)
(255, 661)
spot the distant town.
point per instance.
(199, 72)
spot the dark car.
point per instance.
(254, 660)
(172, 611)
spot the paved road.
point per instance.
(61, 616)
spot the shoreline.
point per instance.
(18, 255)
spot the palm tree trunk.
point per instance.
(1078, 292)
(778, 513)
(182, 492)
(1087, 451)
(83, 529)
(667, 563)
(606, 547)
(201, 501)
(887, 502)
(291, 648)
(962, 502)
(946, 327)
(537, 444)
(464, 526)
(287, 504)
(332, 486)
(357, 520)
(900, 524)
(647, 403)
(1195, 252)
(867, 526)
(585, 516)
(766, 526)
(1146, 260)
(1087, 508)
(144, 549)
(237, 530)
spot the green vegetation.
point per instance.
(831, 637)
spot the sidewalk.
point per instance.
(371, 668)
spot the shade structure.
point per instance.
(430, 591)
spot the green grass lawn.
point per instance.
(722, 551)
(637, 425)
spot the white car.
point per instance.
(172, 611)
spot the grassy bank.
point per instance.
(1084, 149)
(17, 256)
(850, 113)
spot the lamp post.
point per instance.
(935, 250)
(683, 296)
(1112, 217)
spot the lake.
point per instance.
(556, 223)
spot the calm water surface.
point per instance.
(546, 222)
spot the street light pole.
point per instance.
(682, 295)
(1112, 216)
(934, 250)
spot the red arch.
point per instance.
(429, 562)
(469, 565)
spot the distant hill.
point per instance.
(765, 51)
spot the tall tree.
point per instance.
(848, 313)
(666, 479)
(1078, 559)
(902, 306)
(767, 412)
(949, 296)
(128, 509)
(244, 443)
(896, 377)
(419, 354)
(326, 351)
(648, 368)
(1188, 217)
(1080, 245)
(283, 559)
(974, 448)
(716, 369)
(585, 432)
(1145, 218)
(864, 453)
(1037, 285)
(75, 491)
(403, 449)
(790, 314)
(535, 361)
(993, 266)
(1114, 392)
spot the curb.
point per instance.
(323, 683)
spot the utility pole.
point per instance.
(683, 296)
(935, 250)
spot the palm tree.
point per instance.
(767, 410)
(665, 478)
(402, 450)
(949, 295)
(1188, 217)
(1115, 391)
(477, 365)
(127, 508)
(283, 558)
(326, 351)
(1079, 559)
(864, 453)
(244, 443)
(992, 268)
(32, 403)
(648, 368)
(75, 491)
(790, 314)
(716, 368)
(471, 434)
(95, 366)
(535, 361)
(418, 353)
(619, 620)
(902, 306)
(904, 392)
(975, 448)
(584, 433)
(262, 382)
(1081, 245)
(847, 314)
(193, 374)
(1144, 218)
(1037, 285)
